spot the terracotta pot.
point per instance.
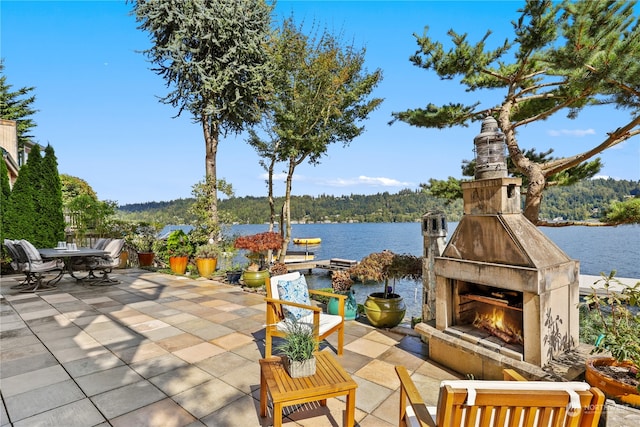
(610, 387)
(254, 279)
(178, 264)
(384, 312)
(145, 259)
(206, 266)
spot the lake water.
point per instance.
(599, 249)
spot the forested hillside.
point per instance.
(583, 201)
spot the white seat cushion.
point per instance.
(327, 321)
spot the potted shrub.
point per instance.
(298, 350)
(179, 249)
(341, 282)
(259, 247)
(386, 309)
(616, 316)
(206, 259)
(142, 242)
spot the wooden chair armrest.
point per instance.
(293, 304)
(328, 294)
(512, 375)
(408, 391)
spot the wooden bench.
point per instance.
(502, 403)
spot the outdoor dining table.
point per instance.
(69, 255)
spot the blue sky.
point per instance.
(98, 102)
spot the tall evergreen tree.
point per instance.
(21, 209)
(17, 106)
(212, 54)
(566, 56)
(5, 193)
(51, 215)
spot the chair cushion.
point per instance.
(294, 291)
(327, 321)
(31, 251)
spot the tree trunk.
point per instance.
(286, 211)
(211, 133)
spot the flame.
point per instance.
(496, 319)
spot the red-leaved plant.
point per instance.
(258, 246)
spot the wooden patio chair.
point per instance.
(291, 303)
(502, 403)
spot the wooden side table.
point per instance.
(330, 380)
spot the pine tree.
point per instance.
(21, 209)
(5, 193)
(566, 56)
(14, 106)
(51, 215)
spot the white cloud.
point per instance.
(578, 133)
(366, 180)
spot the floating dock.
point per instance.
(329, 264)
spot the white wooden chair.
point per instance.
(279, 312)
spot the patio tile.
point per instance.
(207, 398)
(198, 352)
(180, 341)
(232, 341)
(10, 368)
(80, 413)
(164, 413)
(241, 412)
(100, 382)
(140, 352)
(181, 379)
(89, 365)
(42, 399)
(380, 372)
(125, 399)
(31, 380)
(367, 347)
(158, 365)
(223, 363)
(369, 395)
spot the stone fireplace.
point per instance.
(505, 293)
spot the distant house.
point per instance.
(164, 233)
(13, 157)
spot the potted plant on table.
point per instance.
(259, 247)
(341, 282)
(386, 309)
(179, 249)
(616, 317)
(206, 259)
(298, 350)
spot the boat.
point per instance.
(299, 256)
(307, 240)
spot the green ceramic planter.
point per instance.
(254, 279)
(384, 312)
(350, 306)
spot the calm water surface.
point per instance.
(599, 249)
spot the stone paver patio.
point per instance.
(161, 350)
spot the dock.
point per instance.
(328, 264)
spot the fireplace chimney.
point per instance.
(490, 151)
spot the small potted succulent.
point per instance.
(259, 247)
(206, 259)
(298, 350)
(615, 309)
